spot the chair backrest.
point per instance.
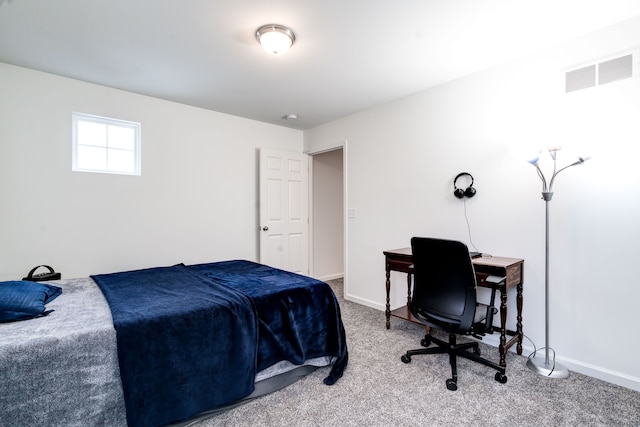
(444, 291)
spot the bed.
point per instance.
(166, 345)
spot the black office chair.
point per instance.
(444, 297)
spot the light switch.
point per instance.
(351, 213)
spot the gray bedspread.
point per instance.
(62, 369)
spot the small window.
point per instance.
(101, 144)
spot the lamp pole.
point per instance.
(537, 363)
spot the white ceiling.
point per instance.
(349, 55)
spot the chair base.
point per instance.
(454, 350)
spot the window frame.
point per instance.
(108, 121)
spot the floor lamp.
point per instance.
(538, 363)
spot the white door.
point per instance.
(284, 208)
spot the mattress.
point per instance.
(62, 369)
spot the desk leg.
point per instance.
(408, 290)
(387, 312)
(519, 317)
(503, 326)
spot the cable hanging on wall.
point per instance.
(465, 194)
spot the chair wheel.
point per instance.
(500, 377)
(405, 358)
(426, 341)
(451, 385)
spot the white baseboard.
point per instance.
(598, 372)
(368, 303)
(603, 374)
(331, 277)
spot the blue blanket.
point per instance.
(298, 317)
(171, 324)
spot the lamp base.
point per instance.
(552, 369)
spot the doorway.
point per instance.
(328, 214)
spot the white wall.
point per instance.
(403, 157)
(196, 200)
(328, 215)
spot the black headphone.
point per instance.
(467, 192)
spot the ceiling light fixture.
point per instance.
(275, 39)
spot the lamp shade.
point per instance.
(534, 160)
(275, 39)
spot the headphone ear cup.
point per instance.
(459, 193)
(470, 192)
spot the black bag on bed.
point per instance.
(41, 277)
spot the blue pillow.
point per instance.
(21, 300)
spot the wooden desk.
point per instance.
(402, 260)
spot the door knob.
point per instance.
(265, 228)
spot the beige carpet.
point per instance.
(379, 390)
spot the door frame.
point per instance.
(338, 145)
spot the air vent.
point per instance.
(600, 73)
(581, 78)
(615, 69)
